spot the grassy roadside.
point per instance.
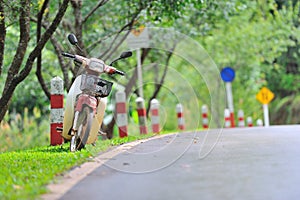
(25, 174)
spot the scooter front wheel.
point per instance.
(73, 144)
(85, 118)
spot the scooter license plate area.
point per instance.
(95, 85)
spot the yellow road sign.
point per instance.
(138, 37)
(265, 96)
(138, 30)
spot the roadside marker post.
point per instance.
(204, 116)
(266, 115)
(122, 119)
(180, 118)
(249, 122)
(227, 75)
(241, 118)
(259, 123)
(154, 106)
(142, 115)
(57, 111)
(227, 118)
(265, 96)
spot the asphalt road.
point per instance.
(241, 163)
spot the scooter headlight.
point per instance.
(96, 65)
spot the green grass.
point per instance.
(28, 165)
(25, 173)
(22, 132)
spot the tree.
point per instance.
(253, 43)
(85, 25)
(223, 27)
(15, 76)
(283, 76)
(117, 17)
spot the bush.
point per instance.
(17, 132)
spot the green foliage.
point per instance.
(283, 73)
(286, 110)
(24, 131)
(242, 34)
(33, 98)
(250, 42)
(290, 82)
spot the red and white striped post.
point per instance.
(249, 121)
(155, 115)
(241, 118)
(227, 118)
(122, 121)
(179, 110)
(142, 115)
(57, 112)
(204, 116)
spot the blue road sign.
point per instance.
(227, 74)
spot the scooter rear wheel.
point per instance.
(85, 118)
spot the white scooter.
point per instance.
(86, 100)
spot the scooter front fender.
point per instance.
(88, 100)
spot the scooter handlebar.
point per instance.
(120, 72)
(79, 59)
(76, 59)
(68, 55)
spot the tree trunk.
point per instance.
(2, 34)
(58, 49)
(64, 67)
(39, 59)
(18, 58)
(77, 5)
(24, 25)
(162, 80)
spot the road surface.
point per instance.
(240, 163)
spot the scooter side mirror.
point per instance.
(126, 54)
(72, 39)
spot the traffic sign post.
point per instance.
(227, 75)
(137, 39)
(266, 115)
(265, 96)
(139, 72)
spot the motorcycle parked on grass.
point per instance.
(86, 100)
